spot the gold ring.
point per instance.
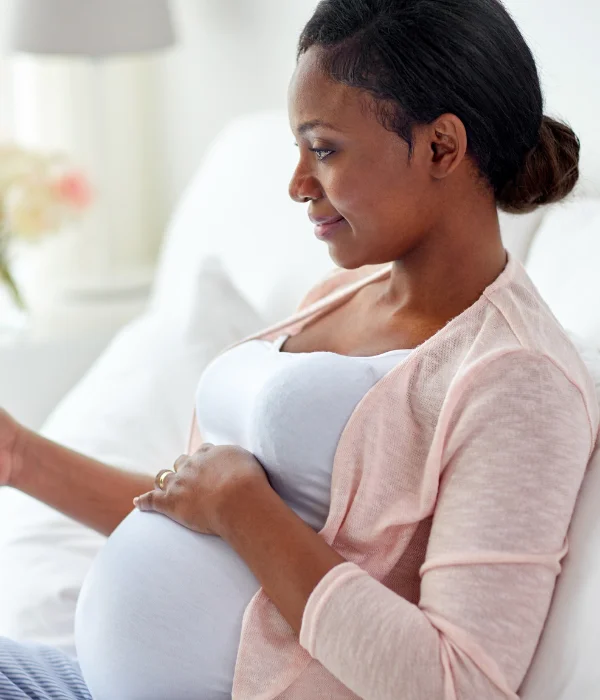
(162, 477)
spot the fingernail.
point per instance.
(135, 501)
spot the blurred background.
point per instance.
(135, 108)
(135, 102)
(131, 94)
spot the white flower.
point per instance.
(31, 208)
(38, 193)
(16, 163)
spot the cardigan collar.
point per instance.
(294, 323)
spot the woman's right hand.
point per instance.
(11, 441)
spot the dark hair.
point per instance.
(423, 58)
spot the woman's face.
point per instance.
(361, 171)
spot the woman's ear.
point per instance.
(448, 144)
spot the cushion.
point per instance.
(564, 264)
(133, 409)
(565, 665)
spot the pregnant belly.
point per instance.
(160, 613)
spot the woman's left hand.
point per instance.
(196, 492)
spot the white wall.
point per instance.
(233, 56)
(564, 39)
(236, 56)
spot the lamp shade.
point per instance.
(90, 27)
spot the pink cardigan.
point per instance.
(453, 487)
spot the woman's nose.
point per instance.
(304, 187)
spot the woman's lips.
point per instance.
(327, 230)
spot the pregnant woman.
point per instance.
(377, 490)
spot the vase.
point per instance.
(14, 320)
(14, 315)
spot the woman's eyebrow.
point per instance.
(314, 123)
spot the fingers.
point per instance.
(156, 500)
(179, 462)
(162, 478)
(182, 459)
(151, 501)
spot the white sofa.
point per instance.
(239, 254)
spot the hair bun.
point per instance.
(549, 172)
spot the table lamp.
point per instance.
(96, 29)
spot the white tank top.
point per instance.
(160, 611)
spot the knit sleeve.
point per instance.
(518, 441)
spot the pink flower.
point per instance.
(74, 189)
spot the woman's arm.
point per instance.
(513, 464)
(87, 490)
(285, 554)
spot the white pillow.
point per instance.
(564, 263)
(566, 664)
(133, 409)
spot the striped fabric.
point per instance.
(31, 671)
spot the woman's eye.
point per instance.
(320, 150)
